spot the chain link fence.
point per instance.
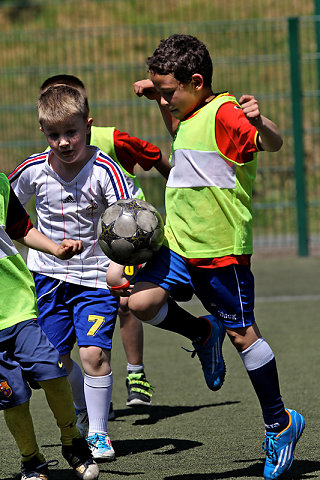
(254, 46)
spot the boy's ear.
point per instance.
(41, 129)
(89, 124)
(197, 81)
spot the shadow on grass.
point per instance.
(301, 469)
(67, 474)
(168, 446)
(161, 412)
(55, 474)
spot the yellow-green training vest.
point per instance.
(208, 196)
(18, 301)
(103, 138)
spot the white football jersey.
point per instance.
(71, 210)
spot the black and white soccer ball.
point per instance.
(130, 231)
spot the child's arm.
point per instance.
(20, 228)
(36, 240)
(270, 138)
(117, 283)
(163, 167)
(147, 89)
(132, 151)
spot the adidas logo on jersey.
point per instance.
(69, 199)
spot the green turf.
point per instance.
(191, 433)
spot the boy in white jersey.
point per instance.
(73, 184)
(208, 231)
(27, 359)
(128, 152)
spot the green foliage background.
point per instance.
(106, 42)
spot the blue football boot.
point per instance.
(280, 446)
(210, 354)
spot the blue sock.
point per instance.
(262, 370)
(173, 318)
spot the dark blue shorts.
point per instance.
(26, 357)
(70, 313)
(226, 292)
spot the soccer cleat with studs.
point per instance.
(79, 457)
(101, 447)
(280, 447)
(36, 469)
(139, 390)
(210, 354)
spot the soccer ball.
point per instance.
(130, 231)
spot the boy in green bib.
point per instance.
(208, 235)
(27, 358)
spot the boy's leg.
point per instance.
(55, 320)
(230, 290)
(74, 447)
(152, 304)
(46, 368)
(59, 397)
(131, 330)
(19, 422)
(167, 274)
(283, 426)
(75, 377)
(98, 382)
(260, 364)
(16, 346)
(94, 316)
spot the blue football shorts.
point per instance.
(70, 313)
(26, 357)
(225, 292)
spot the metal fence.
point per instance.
(267, 48)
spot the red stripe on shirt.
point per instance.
(115, 173)
(22, 165)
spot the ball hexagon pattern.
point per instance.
(130, 231)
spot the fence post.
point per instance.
(297, 130)
(317, 32)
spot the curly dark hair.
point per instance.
(183, 56)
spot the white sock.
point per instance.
(98, 392)
(159, 317)
(257, 355)
(75, 378)
(134, 368)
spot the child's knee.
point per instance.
(95, 360)
(145, 304)
(141, 308)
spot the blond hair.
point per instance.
(59, 103)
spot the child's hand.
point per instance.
(121, 292)
(68, 248)
(147, 89)
(251, 109)
(117, 283)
